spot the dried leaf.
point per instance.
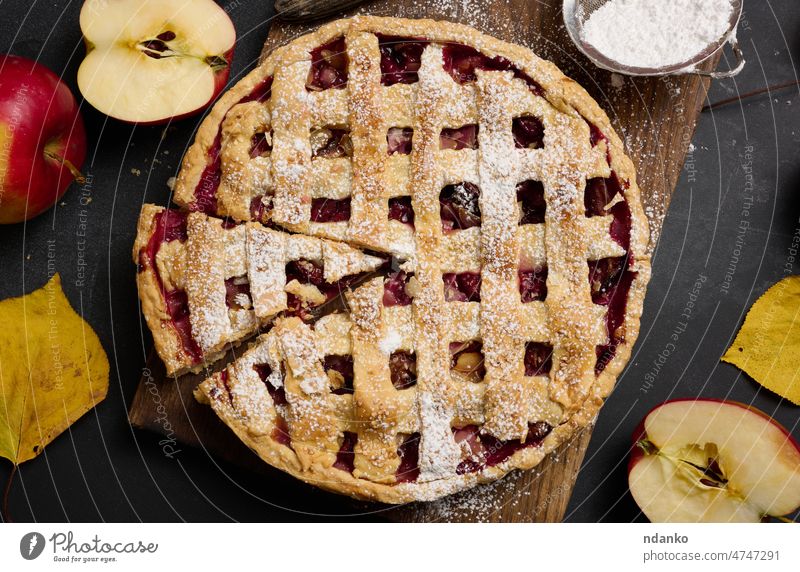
(767, 347)
(53, 369)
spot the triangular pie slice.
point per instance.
(205, 283)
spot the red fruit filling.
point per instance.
(604, 277)
(261, 208)
(205, 193)
(237, 293)
(398, 140)
(403, 369)
(465, 137)
(462, 287)
(330, 143)
(538, 358)
(343, 376)
(461, 62)
(400, 209)
(596, 136)
(528, 132)
(171, 225)
(280, 434)
(330, 210)
(223, 376)
(260, 145)
(310, 272)
(530, 195)
(459, 206)
(177, 303)
(278, 394)
(487, 451)
(408, 451)
(328, 66)
(394, 289)
(599, 192)
(533, 284)
(400, 59)
(305, 272)
(614, 285)
(621, 224)
(466, 360)
(261, 92)
(345, 457)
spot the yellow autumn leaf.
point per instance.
(53, 369)
(767, 347)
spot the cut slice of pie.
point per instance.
(205, 283)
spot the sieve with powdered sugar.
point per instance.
(655, 37)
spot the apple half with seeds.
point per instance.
(150, 61)
(713, 461)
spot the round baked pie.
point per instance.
(480, 216)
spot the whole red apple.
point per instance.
(42, 139)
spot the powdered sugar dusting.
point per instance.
(438, 451)
(390, 342)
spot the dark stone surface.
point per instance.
(103, 470)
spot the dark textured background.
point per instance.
(103, 470)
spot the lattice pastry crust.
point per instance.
(500, 185)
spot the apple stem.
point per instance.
(76, 174)
(217, 62)
(646, 446)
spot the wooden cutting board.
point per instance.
(655, 117)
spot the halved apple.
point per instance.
(149, 61)
(713, 461)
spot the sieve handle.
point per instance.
(737, 52)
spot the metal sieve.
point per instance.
(576, 12)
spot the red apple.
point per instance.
(151, 61)
(42, 139)
(713, 461)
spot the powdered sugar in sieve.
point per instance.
(653, 37)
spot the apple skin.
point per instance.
(40, 123)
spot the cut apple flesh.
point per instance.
(152, 60)
(666, 494)
(713, 461)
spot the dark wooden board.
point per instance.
(655, 116)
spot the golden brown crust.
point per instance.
(508, 400)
